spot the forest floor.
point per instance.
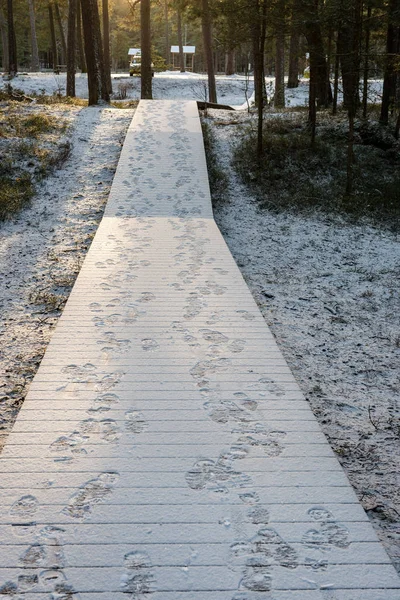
(328, 288)
(327, 285)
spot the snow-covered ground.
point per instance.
(234, 90)
(168, 85)
(328, 290)
(330, 293)
(42, 248)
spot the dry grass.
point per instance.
(31, 145)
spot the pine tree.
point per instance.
(392, 67)
(106, 46)
(206, 24)
(35, 66)
(146, 69)
(4, 40)
(12, 43)
(94, 52)
(71, 52)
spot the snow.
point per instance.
(42, 248)
(328, 290)
(233, 90)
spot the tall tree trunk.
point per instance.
(35, 66)
(230, 56)
(81, 53)
(166, 25)
(391, 68)
(4, 40)
(258, 58)
(71, 53)
(258, 34)
(319, 72)
(397, 128)
(12, 43)
(180, 42)
(146, 74)
(53, 39)
(208, 50)
(336, 79)
(349, 38)
(106, 44)
(230, 62)
(279, 100)
(293, 80)
(94, 52)
(350, 157)
(62, 34)
(367, 27)
(312, 104)
(349, 51)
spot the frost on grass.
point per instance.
(33, 141)
(42, 247)
(329, 291)
(297, 176)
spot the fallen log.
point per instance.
(204, 105)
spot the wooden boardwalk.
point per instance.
(165, 451)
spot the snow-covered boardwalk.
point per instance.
(165, 451)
